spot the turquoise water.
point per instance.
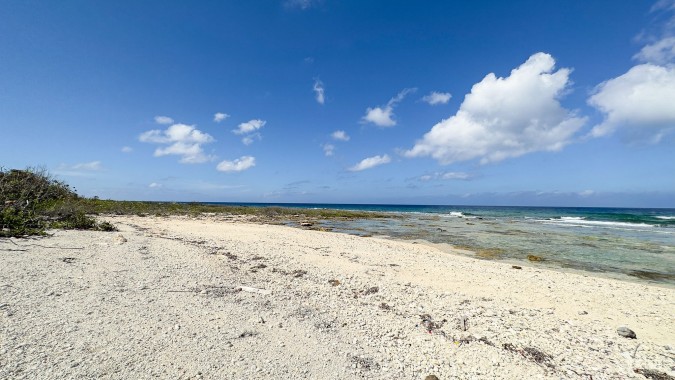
(637, 244)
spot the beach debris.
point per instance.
(364, 363)
(431, 377)
(247, 334)
(371, 290)
(334, 282)
(255, 290)
(120, 239)
(299, 273)
(256, 267)
(534, 258)
(429, 324)
(530, 353)
(366, 292)
(516, 267)
(68, 260)
(463, 322)
(653, 374)
(385, 306)
(582, 312)
(306, 224)
(626, 332)
(326, 325)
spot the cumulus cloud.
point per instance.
(340, 136)
(370, 162)
(181, 140)
(639, 103)
(328, 149)
(319, 91)
(127, 149)
(249, 126)
(435, 98)
(219, 116)
(384, 116)
(154, 185)
(506, 117)
(238, 165)
(163, 120)
(249, 129)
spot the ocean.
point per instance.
(627, 243)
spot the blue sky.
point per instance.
(563, 103)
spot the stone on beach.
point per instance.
(626, 332)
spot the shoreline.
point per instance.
(164, 296)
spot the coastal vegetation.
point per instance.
(32, 201)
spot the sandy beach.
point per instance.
(215, 297)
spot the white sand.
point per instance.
(166, 303)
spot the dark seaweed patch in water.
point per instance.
(653, 276)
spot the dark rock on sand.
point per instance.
(626, 332)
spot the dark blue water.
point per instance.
(637, 244)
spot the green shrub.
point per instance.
(31, 201)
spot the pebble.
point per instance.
(626, 332)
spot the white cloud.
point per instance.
(88, 166)
(370, 162)
(446, 176)
(384, 116)
(319, 91)
(248, 140)
(659, 52)
(240, 164)
(155, 185)
(249, 126)
(455, 175)
(506, 117)
(176, 133)
(183, 140)
(163, 120)
(328, 149)
(219, 116)
(640, 104)
(127, 149)
(435, 98)
(340, 135)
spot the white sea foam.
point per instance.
(666, 217)
(582, 222)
